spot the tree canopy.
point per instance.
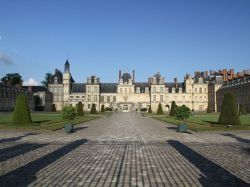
(46, 80)
(12, 79)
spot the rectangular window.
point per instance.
(200, 90)
(95, 98)
(161, 98)
(102, 98)
(154, 89)
(195, 90)
(89, 106)
(95, 89)
(89, 97)
(161, 89)
(108, 99)
(114, 98)
(154, 98)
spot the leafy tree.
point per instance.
(182, 112)
(149, 109)
(93, 109)
(53, 108)
(159, 109)
(80, 109)
(102, 108)
(68, 113)
(229, 114)
(172, 110)
(21, 112)
(12, 79)
(47, 78)
(242, 110)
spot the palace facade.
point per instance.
(127, 94)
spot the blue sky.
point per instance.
(100, 37)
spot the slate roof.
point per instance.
(78, 88)
(36, 89)
(108, 87)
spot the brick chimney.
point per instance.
(224, 73)
(175, 82)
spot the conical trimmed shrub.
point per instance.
(80, 109)
(93, 109)
(159, 109)
(21, 112)
(242, 110)
(172, 110)
(149, 109)
(102, 109)
(229, 114)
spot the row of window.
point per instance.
(161, 98)
(108, 98)
(92, 89)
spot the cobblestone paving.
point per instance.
(125, 149)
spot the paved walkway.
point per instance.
(125, 149)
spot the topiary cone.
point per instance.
(21, 112)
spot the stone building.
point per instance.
(241, 89)
(46, 98)
(8, 96)
(127, 94)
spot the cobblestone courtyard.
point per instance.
(125, 149)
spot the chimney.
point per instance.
(133, 75)
(30, 89)
(120, 74)
(206, 74)
(224, 72)
(175, 82)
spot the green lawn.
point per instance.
(206, 122)
(42, 121)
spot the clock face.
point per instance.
(125, 98)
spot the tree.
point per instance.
(159, 109)
(209, 108)
(53, 108)
(172, 110)
(149, 109)
(182, 112)
(12, 79)
(242, 110)
(93, 109)
(21, 112)
(102, 108)
(229, 114)
(80, 109)
(47, 78)
(144, 110)
(68, 113)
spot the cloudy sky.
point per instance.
(101, 37)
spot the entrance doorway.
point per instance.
(125, 108)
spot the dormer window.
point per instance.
(55, 80)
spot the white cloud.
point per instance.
(5, 59)
(30, 82)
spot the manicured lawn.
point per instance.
(206, 122)
(43, 121)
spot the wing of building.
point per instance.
(127, 94)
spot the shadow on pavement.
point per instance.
(215, 175)
(239, 139)
(26, 174)
(17, 138)
(17, 150)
